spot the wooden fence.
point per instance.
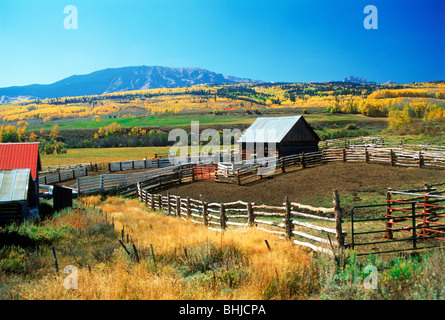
(391, 156)
(157, 177)
(138, 164)
(204, 172)
(345, 142)
(428, 212)
(50, 169)
(165, 162)
(289, 221)
(377, 142)
(408, 220)
(359, 153)
(65, 175)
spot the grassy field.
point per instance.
(204, 118)
(175, 120)
(100, 155)
(190, 261)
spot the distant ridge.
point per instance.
(357, 80)
(116, 80)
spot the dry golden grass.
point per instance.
(253, 273)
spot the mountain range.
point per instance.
(116, 80)
(127, 79)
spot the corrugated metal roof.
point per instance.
(14, 185)
(269, 129)
(20, 156)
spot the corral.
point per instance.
(307, 184)
(359, 175)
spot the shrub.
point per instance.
(399, 118)
(12, 259)
(351, 126)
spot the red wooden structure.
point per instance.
(422, 219)
(204, 172)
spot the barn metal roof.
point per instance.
(269, 129)
(20, 156)
(14, 184)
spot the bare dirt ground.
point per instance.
(307, 185)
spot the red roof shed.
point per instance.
(20, 156)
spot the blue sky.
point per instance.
(290, 41)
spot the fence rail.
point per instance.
(429, 206)
(359, 153)
(160, 162)
(377, 142)
(138, 164)
(65, 175)
(107, 182)
(417, 218)
(50, 169)
(289, 221)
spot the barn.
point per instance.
(22, 156)
(278, 136)
(16, 195)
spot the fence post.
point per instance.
(420, 159)
(366, 155)
(204, 211)
(152, 201)
(168, 203)
(223, 217)
(159, 202)
(189, 212)
(287, 219)
(178, 206)
(250, 216)
(302, 161)
(109, 166)
(238, 177)
(425, 212)
(338, 226)
(391, 157)
(56, 264)
(146, 196)
(344, 154)
(101, 181)
(388, 226)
